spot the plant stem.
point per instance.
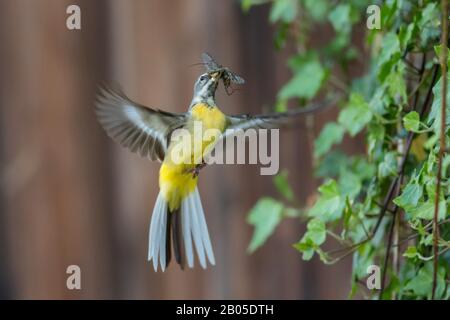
(442, 145)
(386, 259)
(391, 191)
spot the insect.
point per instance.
(228, 76)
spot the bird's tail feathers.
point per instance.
(186, 227)
(195, 231)
(159, 235)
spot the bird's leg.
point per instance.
(196, 170)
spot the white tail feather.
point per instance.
(194, 229)
(204, 229)
(157, 235)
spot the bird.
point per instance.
(178, 218)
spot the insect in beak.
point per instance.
(215, 76)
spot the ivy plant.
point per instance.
(388, 207)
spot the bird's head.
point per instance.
(205, 89)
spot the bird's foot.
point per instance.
(195, 171)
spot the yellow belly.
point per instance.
(176, 180)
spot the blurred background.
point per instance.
(69, 195)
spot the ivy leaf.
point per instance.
(429, 13)
(405, 35)
(396, 84)
(389, 166)
(283, 10)
(411, 252)
(306, 82)
(375, 138)
(340, 18)
(316, 231)
(422, 283)
(349, 183)
(410, 195)
(438, 51)
(331, 134)
(265, 216)
(314, 236)
(307, 247)
(355, 115)
(331, 164)
(328, 207)
(282, 185)
(429, 24)
(425, 210)
(389, 55)
(247, 4)
(317, 8)
(435, 113)
(363, 258)
(411, 121)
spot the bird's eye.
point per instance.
(203, 78)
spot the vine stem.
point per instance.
(389, 195)
(442, 144)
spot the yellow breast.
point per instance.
(211, 117)
(176, 181)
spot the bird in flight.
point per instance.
(178, 218)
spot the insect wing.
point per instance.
(210, 63)
(236, 79)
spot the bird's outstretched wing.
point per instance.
(141, 129)
(245, 121)
(270, 121)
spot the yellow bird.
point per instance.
(178, 215)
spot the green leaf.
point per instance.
(410, 196)
(355, 115)
(390, 47)
(396, 85)
(349, 183)
(438, 51)
(429, 25)
(265, 216)
(411, 252)
(283, 10)
(316, 231)
(362, 259)
(281, 34)
(314, 236)
(331, 134)
(405, 35)
(282, 185)
(306, 81)
(388, 167)
(389, 55)
(247, 4)
(306, 247)
(435, 113)
(429, 13)
(317, 8)
(425, 210)
(375, 138)
(340, 18)
(422, 283)
(411, 121)
(328, 207)
(281, 106)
